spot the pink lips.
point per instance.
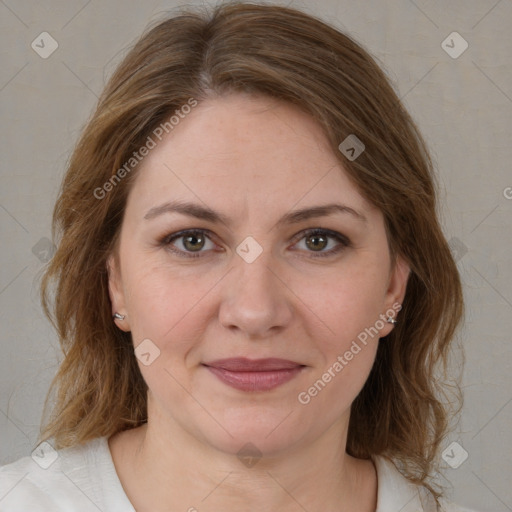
(254, 374)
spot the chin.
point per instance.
(258, 430)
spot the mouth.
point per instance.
(254, 374)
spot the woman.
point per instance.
(253, 291)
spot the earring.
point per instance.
(119, 316)
(391, 320)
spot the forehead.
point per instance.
(244, 151)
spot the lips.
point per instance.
(254, 374)
(242, 364)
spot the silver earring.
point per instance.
(391, 320)
(119, 316)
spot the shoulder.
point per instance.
(50, 480)
(397, 493)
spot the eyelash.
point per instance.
(167, 240)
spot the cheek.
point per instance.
(350, 307)
(163, 302)
(350, 303)
(164, 307)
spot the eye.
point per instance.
(317, 239)
(190, 243)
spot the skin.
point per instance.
(253, 159)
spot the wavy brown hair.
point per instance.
(403, 410)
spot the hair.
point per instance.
(402, 412)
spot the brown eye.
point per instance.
(189, 244)
(193, 242)
(317, 242)
(318, 239)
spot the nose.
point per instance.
(255, 299)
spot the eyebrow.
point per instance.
(204, 213)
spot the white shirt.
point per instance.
(84, 479)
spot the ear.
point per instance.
(116, 292)
(395, 293)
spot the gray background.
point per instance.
(462, 105)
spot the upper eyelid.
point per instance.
(184, 232)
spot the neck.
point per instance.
(161, 465)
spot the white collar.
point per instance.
(396, 493)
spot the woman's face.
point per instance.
(260, 283)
